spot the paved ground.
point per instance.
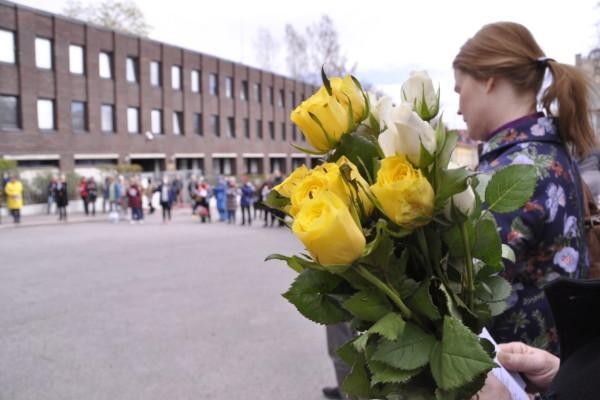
(153, 311)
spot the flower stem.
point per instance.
(469, 286)
(404, 310)
(422, 240)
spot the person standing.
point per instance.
(92, 193)
(61, 194)
(14, 197)
(246, 200)
(149, 192)
(168, 195)
(203, 195)
(134, 196)
(106, 193)
(192, 188)
(51, 190)
(219, 191)
(231, 194)
(83, 194)
(502, 77)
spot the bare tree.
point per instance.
(297, 53)
(267, 49)
(121, 15)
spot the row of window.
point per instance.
(9, 119)
(44, 57)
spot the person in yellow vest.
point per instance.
(14, 198)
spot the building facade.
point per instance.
(77, 95)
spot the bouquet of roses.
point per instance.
(401, 243)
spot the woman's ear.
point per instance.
(490, 84)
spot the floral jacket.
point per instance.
(546, 234)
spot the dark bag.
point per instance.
(592, 229)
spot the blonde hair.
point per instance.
(508, 50)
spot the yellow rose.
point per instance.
(324, 225)
(346, 89)
(325, 177)
(286, 187)
(404, 193)
(333, 116)
(362, 184)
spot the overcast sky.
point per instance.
(386, 39)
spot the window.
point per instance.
(215, 125)
(43, 53)
(271, 130)
(177, 122)
(176, 77)
(244, 91)
(133, 120)
(131, 64)
(283, 133)
(196, 81)
(257, 92)
(270, 95)
(76, 63)
(105, 65)
(7, 46)
(198, 124)
(247, 128)
(281, 100)
(45, 114)
(9, 112)
(78, 116)
(292, 99)
(230, 127)
(156, 122)
(229, 87)
(294, 133)
(155, 73)
(259, 132)
(107, 122)
(213, 84)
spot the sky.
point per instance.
(386, 39)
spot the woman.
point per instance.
(134, 195)
(499, 75)
(61, 196)
(168, 195)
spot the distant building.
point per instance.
(74, 95)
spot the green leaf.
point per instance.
(510, 188)
(361, 342)
(357, 381)
(310, 293)
(307, 151)
(276, 200)
(483, 179)
(325, 79)
(383, 373)
(497, 308)
(361, 149)
(453, 239)
(390, 326)
(368, 305)
(446, 141)
(487, 246)
(498, 289)
(348, 353)
(508, 253)
(421, 302)
(292, 262)
(450, 182)
(410, 351)
(459, 357)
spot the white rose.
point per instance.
(380, 108)
(463, 201)
(418, 92)
(405, 134)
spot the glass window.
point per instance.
(283, 133)
(247, 128)
(45, 114)
(244, 91)
(76, 63)
(196, 81)
(156, 121)
(294, 133)
(257, 92)
(270, 95)
(131, 64)
(7, 46)
(133, 120)
(229, 87)
(198, 124)
(9, 112)
(272, 130)
(105, 65)
(230, 127)
(259, 132)
(43, 53)
(292, 99)
(281, 100)
(155, 73)
(107, 121)
(78, 116)
(177, 123)
(215, 125)
(176, 77)
(213, 84)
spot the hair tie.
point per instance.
(543, 61)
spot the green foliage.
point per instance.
(510, 188)
(368, 305)
(7, 165)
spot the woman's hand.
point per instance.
(538, 366)
(492, 390)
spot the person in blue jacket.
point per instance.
(529, 109)
(220, 191)
(247, 200)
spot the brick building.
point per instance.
(75, 95)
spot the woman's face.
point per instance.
(473, 104)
